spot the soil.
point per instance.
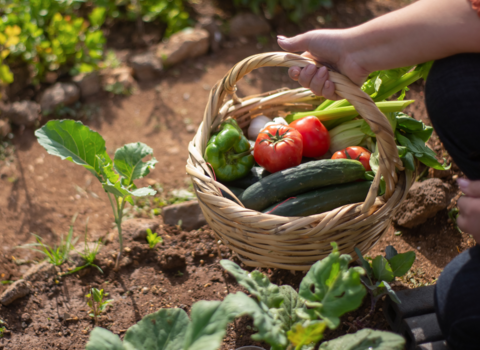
(40, 194)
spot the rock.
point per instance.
(172, 258)
(134, 229)
(213, 28)
(22, 113)
(59, 94)
(16, 290)
(26, 317)
(40, 272)
(189, 212)
(423, 201)
(5, 128)
(89, 83)
(120, 75)
(188, 43)
(146, 66)
(248, 24)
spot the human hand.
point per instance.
(329, 48)
(469, 207)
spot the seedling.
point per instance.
(5, 282)
(73, 141)
(453, 215)
(96, 302)
(380, 272)
(88, 254)
(284, 319)
(2, 329)
(58, 254)
(153, 239)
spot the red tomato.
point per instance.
(316, 139)
(357, 153)
(278, 147)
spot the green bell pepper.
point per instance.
(229, 153)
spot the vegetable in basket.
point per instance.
(278, 147)
(316, 139)
(228, 152)
(357, 153)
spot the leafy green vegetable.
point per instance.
(401, 263)
(307, 333)
(366, 339)
(71, 140)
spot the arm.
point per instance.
(424, 31)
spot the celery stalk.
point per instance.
(349, 111)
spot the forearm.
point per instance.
(424, 31)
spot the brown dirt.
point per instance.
(40, 194)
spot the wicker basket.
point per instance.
(294, 243)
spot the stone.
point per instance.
(188, 212)
(89, 83)
(173, 258)
(134, 229)
(189, 43)
(15, 291)
(212, 26)
(26, 317)
(146, 66)
(120, 75)
(59, 94)
(40, 272)
(5, 128)
(423, 201)
(24, 113)
(248, 24)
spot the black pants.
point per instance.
(453, 104)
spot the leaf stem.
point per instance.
(118, 221)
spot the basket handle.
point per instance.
(344, 87)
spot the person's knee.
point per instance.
(457, 301)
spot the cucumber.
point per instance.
(256, 174)
(236, 191)
(321, 200)
(300, 179)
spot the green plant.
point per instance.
(2, 329)
(153, 239)
(88, 255)
(71, 140)
(453, 215)
(283, 318)
(118, 88)
(296, 9)
(56, 255)
(5, 282)
(96, 302)
(380, 272)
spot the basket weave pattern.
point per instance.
(294, 243)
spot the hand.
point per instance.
(328, 47)
(469, 207)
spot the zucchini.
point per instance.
(256, 174)
(321, 200)
(300, 179)
(236, 191)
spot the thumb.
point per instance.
(297, 43)
(470, 188)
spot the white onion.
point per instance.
(256, 125)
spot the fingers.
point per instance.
(297, 43)
(470, 188)
(306, 75)
(469, 216)
(315, 79)
(294, 73)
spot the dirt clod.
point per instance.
(16, 290)
(172, 259)
(40, 272)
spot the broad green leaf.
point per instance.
(333, 289)
(425, 134)
(390, 252)
(118, 190)
(409, 124)
(365, 128)
(422, 152)
(270, 328)
(365, 263)
(374, 160)
(432, 162)
(287, 311)
(128, 161)
(6, 75)
(408, 161)
(306, 333)
(382, 270)
(208, 327)
(402, 151)
(71, 140)
(256, 283)
(102, 339)
(366, 339)
(391, 293)
(162, 330)
(107, 171)
(97, 17)
(401, 263)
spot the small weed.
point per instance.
(153, 239)
(96, 302)
(453, 215)
(118, 89)
(6, 282)
(179, 274)
(88, 254)
(58, 254)
(111, 60)
(2, 329)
